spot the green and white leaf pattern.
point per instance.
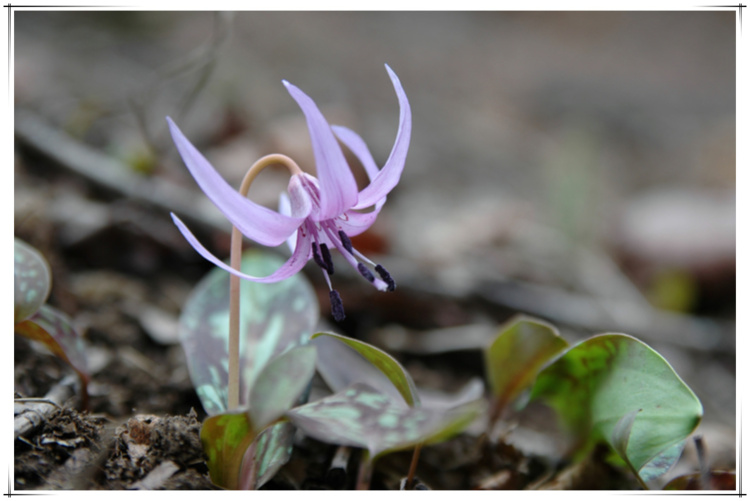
(32, 280)
(273, 318)
(360, 416)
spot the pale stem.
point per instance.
(234, 281)
(413, 466)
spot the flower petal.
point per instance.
(256, 222)
(295, 263)
(390, 174)
(357, 145)
(338, 189)
(285, 207)
(353, 223)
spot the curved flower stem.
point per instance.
(234, 281)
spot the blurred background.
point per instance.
(578, 167)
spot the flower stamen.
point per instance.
(365, 272)
(386, 277)
(337, 306)
(346, 242)
(327, 258)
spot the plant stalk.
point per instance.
(233, 398)
(413, 467)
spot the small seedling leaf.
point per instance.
(32, 280)
(385, 363)
(615, 387)
(273, 318)
(360, 416)
(513, 360)
(280, 384)
(225, 439)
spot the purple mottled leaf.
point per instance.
(388, 365)
(32, 280)
(360, 416)
(55, 331)
(273, 318)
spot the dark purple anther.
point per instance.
(327, 258)
(337, 306)
(365, 272)
(386, 277)
(316, 256)
(346, 242)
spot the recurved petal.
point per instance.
(256, 222)
(390, 174)
(338, 189)
(294, 264)
(285, 207)
(357, 145)
(353, 223)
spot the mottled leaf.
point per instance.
(615, 387)
(32, 280)
(280, 384)
(385, 363)
(340, 366)
(360, 416)
(271, 450)
(55, 331)
(225, 438)
(662, 462)
(513, 360)
(273, 318)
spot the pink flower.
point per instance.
(318, 214)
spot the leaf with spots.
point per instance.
(616, 388)
(273, 318)
(383, 361)
(280, 384)
(513, 360)
(360, 416)
(55, 331)
(225, 438)
(32, 280)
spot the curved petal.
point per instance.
(256, 222)
(357, 145)
(285, 207)
(293, 265)
(338, 189)
(353, 223)
(390, 174)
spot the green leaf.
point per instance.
(225, 438)
(55, 331)
(360, 416)
(513, 360)
(615, 387)
(280, 384)
(273, 318)
(32, 280)
(383, 361)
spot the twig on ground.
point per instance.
(30, 416)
